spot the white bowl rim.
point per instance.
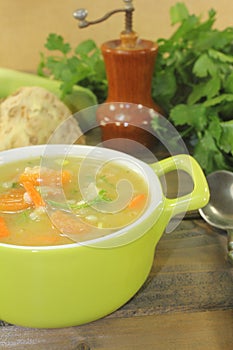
(155, 188)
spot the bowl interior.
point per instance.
(126, 234)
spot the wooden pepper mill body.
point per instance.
(129, 74)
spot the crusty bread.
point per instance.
(33, 116)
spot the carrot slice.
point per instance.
(4, 232)
(137, 201)
(65, 176)
(29, 177)
(13, 200)
(33, 194)
(48, 177)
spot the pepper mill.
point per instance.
(129, 61)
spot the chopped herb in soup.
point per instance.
(62, 201)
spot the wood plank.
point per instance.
(193, 331)
(192, 243)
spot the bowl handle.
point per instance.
(198, 197)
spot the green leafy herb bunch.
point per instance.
(193, 83)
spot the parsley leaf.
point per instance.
(207, 89)
(178, 13)
(194, 116)
(56, 42)
(226, 141)
(101, 197)
(208, 154)
(82, 65)
(204, 66)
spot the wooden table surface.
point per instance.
(185, 304)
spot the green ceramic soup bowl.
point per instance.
(73, 284)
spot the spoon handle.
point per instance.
(230, 245)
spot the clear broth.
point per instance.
(72, 211)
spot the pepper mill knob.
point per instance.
(81, 15)
(128, 4)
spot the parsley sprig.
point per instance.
(193, 83)
(101, 197)
(82, 65)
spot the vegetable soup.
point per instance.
(62, 201)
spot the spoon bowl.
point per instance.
(219, 211)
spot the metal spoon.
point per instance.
(219, 211)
